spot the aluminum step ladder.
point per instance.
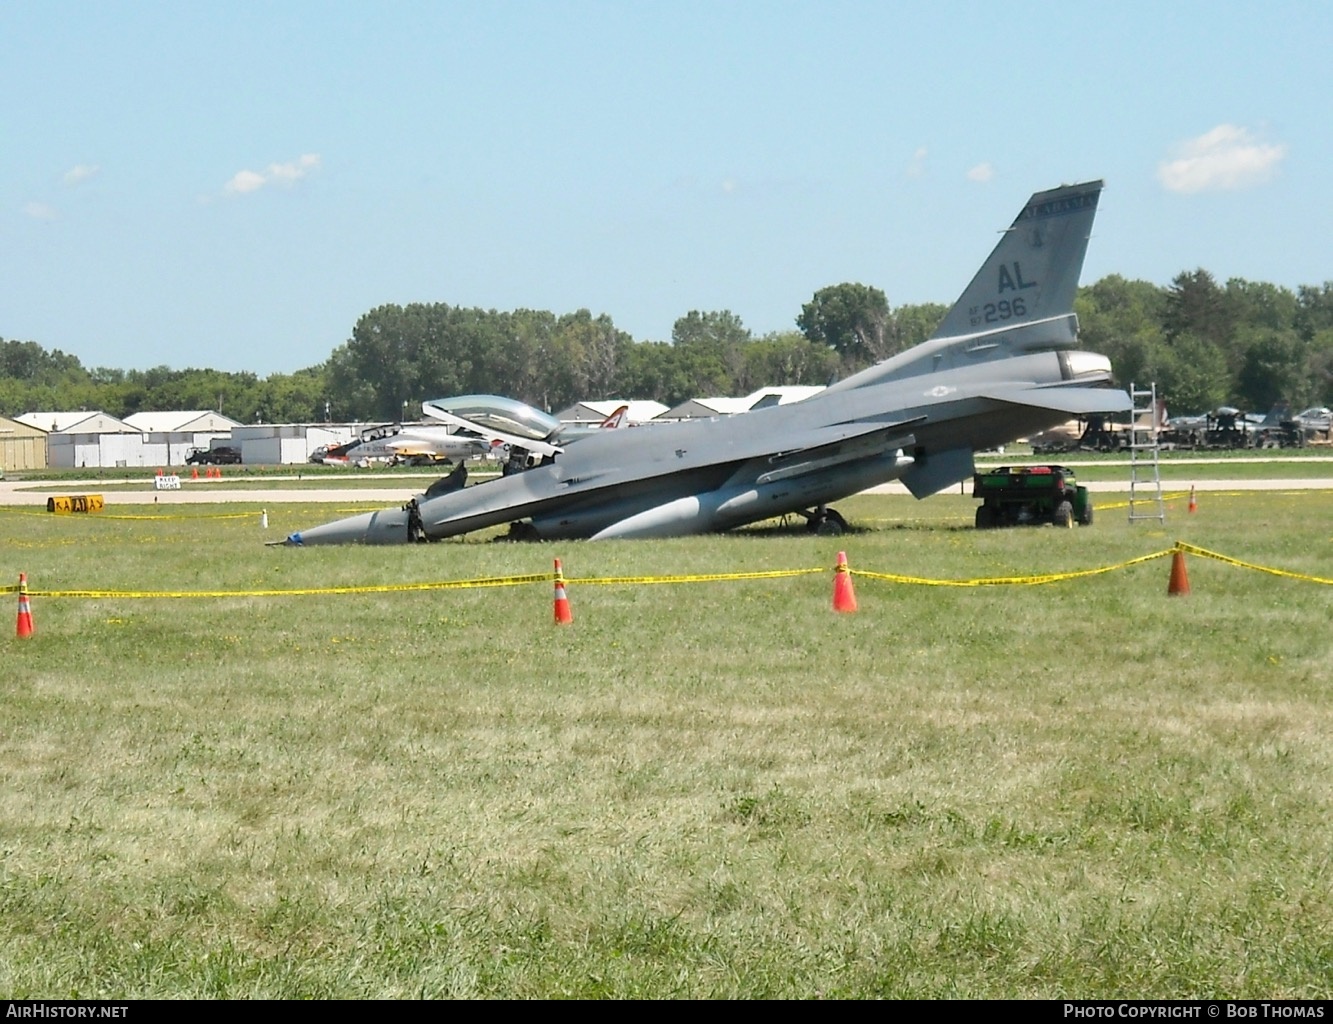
(1145, 479)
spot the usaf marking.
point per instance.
(1004, 309)
(1059, 207)
(1014, 283)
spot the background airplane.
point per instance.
(1003, 364)
(394, 443)
(1315, 420)
(1228, 427)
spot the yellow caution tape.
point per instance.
(771, 574)
(995, 581)
(1205, 553)
(17, 511)
(208, 515)
(548, 577)
(381, 588)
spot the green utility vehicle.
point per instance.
(1031, 495)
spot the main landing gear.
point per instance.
(824, 521)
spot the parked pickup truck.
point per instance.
(223, 455)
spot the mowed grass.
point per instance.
(721, 789)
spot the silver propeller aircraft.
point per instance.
(1002, 364)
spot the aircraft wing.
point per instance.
(561, 492)
(826, 445)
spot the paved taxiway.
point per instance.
(397, 489)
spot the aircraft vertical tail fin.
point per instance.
(1033, 272)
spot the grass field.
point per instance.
(721, 788)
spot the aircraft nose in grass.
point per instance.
(384, 527)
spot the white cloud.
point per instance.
(81, 173)
(917, 165)
(1223, 159)
(245, 181)
(981, 172)
(40, 211)
(288, 174)
(294, 171)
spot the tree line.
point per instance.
(1244, 343)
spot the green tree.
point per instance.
(782, 359)
(1191, 375)
(292, 397)
(1122, 319)
(1196, 306)
(1262, 305)
(594, 348)
(852, 319)
(911, 325)
(1314, 309)
(394, 350)
(708, 351)
(1276, 369)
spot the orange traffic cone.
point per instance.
(564, 615)
(25, 609)
(1180, 581)
(1194, 505)
(194, 472)
(844, 598)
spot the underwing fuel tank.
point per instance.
(734, 506)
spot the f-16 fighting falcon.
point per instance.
(1003, 364)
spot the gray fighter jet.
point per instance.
(1003, 364)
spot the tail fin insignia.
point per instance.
(1033, 272)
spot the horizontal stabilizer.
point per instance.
(1074, 401)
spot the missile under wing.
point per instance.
(1003, 364)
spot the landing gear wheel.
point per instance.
(826, 522)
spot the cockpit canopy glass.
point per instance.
(495, 412)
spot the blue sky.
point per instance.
(233, 185)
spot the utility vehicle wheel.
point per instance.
(1064, 514)
(1086, 518)
(985, 518)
